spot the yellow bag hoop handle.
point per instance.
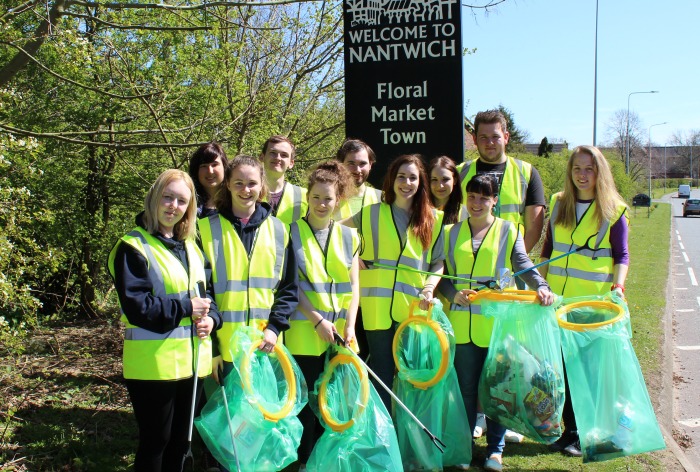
(323, 407)
(289, 377)
(505, 296)
(442, 339)
(589, 304)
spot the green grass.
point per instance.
(64, 408)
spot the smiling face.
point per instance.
(277, 159)
(584, 176)
(359, 165)
(322, 202)
(480, 206)
(245, 185)
(211, 176)
(172, 206)
(441, 185)
(491, 140)
(406, 184)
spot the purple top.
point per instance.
(618, 241)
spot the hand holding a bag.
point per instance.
(462, 297)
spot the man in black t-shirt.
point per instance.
(521, 193)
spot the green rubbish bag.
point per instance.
(264, 392)
(522, 383)
(426, 382)
(613, 412)
(359, 435)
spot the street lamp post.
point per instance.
(650, 195)
(627, 132)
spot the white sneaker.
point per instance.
(303, 468)
(480, 427)
(513, 437)
(462, 467)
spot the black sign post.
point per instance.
(403, 78)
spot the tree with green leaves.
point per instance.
(545, 148)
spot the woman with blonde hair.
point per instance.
(589, 212)
(157, 268)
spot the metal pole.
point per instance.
(650, 194)
(595, 75)
(665, 176)
(627, 132)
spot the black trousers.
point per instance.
(162, 411)
(311, 367)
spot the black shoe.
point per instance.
(566, 439)
(573, 449)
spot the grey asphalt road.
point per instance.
(685, 306)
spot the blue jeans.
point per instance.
(469, 361)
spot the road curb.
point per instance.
(666, 406)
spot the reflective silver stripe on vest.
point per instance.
(328, 315)
(140, 334)
(279, 231)
(221, 285)
(325, 287)
(454, 233)
(523, 187)
(374, 223)
(239, 316)
(581, 274)
(512, 208)
(378, 292)
(154, 271)
(296, 201)
(348, 249)
(411, 262)
(298, 248)
(262, 282)
(407, 289)
(465, 171)
(502, 242)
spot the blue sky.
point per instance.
(536, 57)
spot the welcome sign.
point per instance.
(403, 78)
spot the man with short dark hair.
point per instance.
(288, 201)
(358, 159)
(521, 193)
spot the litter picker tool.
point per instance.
(200, 292)
(507, 280)
(228, 418)
(436, 441)
(492, 284)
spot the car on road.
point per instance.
(684, 191)
(691, 207)
(641, 200)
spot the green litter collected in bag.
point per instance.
(359, 435)
(522, 383)
(426, 382)
(613, 412)
(264, 392)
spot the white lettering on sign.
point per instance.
(403, 137)
(406, 113)
(390, 91)
(394, 52)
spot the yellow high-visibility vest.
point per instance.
(292, 205)
(385, 294)
(586, 272)
(370, 197)
(324, 276)
(244, 287)
(513, 191)
(494, 253)
(168, 356)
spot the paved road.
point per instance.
(685, 305)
